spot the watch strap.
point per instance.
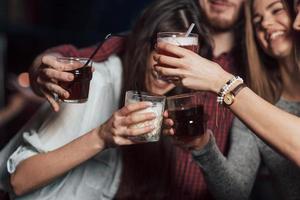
(238, 88)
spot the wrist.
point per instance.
(203, 142)
(99, 137)
(223, 78)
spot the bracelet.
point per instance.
(238, 88)
(226, 87)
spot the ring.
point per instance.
(55, 96)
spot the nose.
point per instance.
(266, 22)
(296, 24)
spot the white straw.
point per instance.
(189, 30)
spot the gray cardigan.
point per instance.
(232, 177)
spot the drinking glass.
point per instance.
(187, 112)
(79, 87)
(189, 42)
(158, 106)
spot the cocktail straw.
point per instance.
(189, 30)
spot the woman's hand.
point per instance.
(121, 126)
(44, 78)
(194, 71)
(190, 143)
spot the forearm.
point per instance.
(41, 169)
(275, 126)
(227, 178)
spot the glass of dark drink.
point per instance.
(189, 42)
(187, 112)
(79, 87)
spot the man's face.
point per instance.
(222, 15)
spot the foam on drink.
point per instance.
(179, 40)
(190, 43)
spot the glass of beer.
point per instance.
(188, 114)
(79, 87)
(189, 42)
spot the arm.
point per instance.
(45, 72)
(232, 177)
(40, 169)
(276, 127)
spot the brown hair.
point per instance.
(161, 15)
(148, 169)
(262, 72)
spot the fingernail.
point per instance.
(70, 77)
(66, 94)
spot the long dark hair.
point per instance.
(148, 168)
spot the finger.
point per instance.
(169, 71)
(176, 50)
(168, 122)
(168, 61)
(51, 73)
(51, 100)
(54, 88)
(54, 62)
(126, 110)
(139, 131)
(166, 114)
(138, 118)
(168, 131)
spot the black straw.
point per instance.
(96, 50)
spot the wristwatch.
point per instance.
(229, 97)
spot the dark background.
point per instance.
(28, 27)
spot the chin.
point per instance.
(281, 51)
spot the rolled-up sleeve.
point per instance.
(22, 153)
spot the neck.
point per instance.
(223, 42)
(290, 79)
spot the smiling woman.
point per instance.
(273, 73)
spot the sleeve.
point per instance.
(231, 178)
(73, 120)
(113, 45)
(16, 141)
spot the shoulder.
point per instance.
(110, 68)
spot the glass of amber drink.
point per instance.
(189, 42)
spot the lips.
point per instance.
(220, 3)
(274, 35)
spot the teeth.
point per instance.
(276, 34)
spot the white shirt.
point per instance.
(97, 178)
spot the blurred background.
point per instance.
(28, 27)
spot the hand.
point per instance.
(190, 143)
(44, 78)
(118, 129)
(195, 71)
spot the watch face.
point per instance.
(228, 99)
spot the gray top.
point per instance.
(233, 177)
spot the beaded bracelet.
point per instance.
(224, 89)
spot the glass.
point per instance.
(79, 87)
(187, 112)
(189, 42)
(158, 106)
